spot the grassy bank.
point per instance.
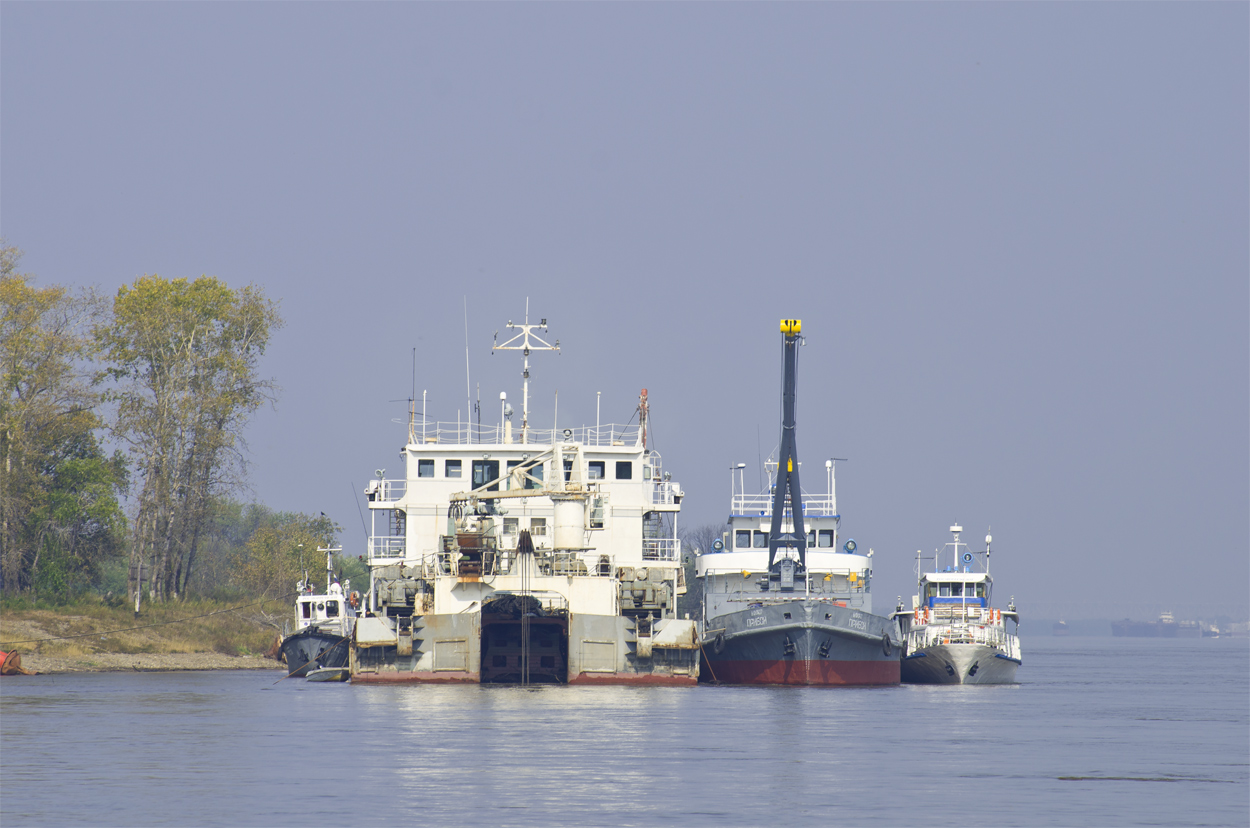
(90, 626)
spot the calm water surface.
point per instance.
(1100, 731)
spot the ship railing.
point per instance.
(761, 504)
(386, 491)
(550, 600)
(387, 547)
(931, 634)
(665, 494)
(660, 549)
(462, 433)
(843, 599)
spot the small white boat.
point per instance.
(329, 674)
(952, 634)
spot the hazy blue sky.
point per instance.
(1016, 235)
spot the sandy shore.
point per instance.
(145, 662)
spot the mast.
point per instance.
(522, 342)
(787, 483)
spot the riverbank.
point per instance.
(91, 636)
(146, 663)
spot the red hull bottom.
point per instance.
(821, 673)
(416, 678)
(637, 679)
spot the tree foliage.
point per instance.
(281, 549)
(697, 540)
(59, 511)
(183, 356)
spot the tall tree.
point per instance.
(281, 549)
(59, 513)
(184, 357)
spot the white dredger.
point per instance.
(538, 556)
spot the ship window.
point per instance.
(332, 609)
(538, 527)
(452, 468)
(509, 526)
(761, 540)
(425, 468)
(596, 470)
(742, 539)
(306, 606)
(568, 470)
(957, 590)
(624, 470)
(811, 539)
(485, 471)
(944, 590)
(981, 590)
(826, 539)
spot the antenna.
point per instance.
(468, 389)
(526, 341)
(412, 405)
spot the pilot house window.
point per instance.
(452, 469)
(425, 468)
(742, 539)
(485, 471)
(595, 470)
(624, 470)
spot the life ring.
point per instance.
(917, 615)
(354, 599)
(887, 646)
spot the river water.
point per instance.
(1099, 732)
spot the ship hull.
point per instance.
(581, 648)
(959, 664)
(312, 648)
(801, 642)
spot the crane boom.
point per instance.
(787, 485)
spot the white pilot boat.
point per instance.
(528, 556)
(323, 624)
(953, 634)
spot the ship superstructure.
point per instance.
(783, 604)
(527, 556)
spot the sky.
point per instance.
(1016, 235)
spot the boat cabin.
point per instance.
(321, 609)
(967, 588)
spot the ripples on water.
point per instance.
(1100, 731)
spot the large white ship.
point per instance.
(525, 556)
(953, 634)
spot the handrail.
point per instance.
(761, 504)
(462, 433)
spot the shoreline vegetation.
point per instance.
(91, 636)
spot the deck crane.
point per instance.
(786, 488)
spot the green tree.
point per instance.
(184, 358)
(281, 549)
(59, 513)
